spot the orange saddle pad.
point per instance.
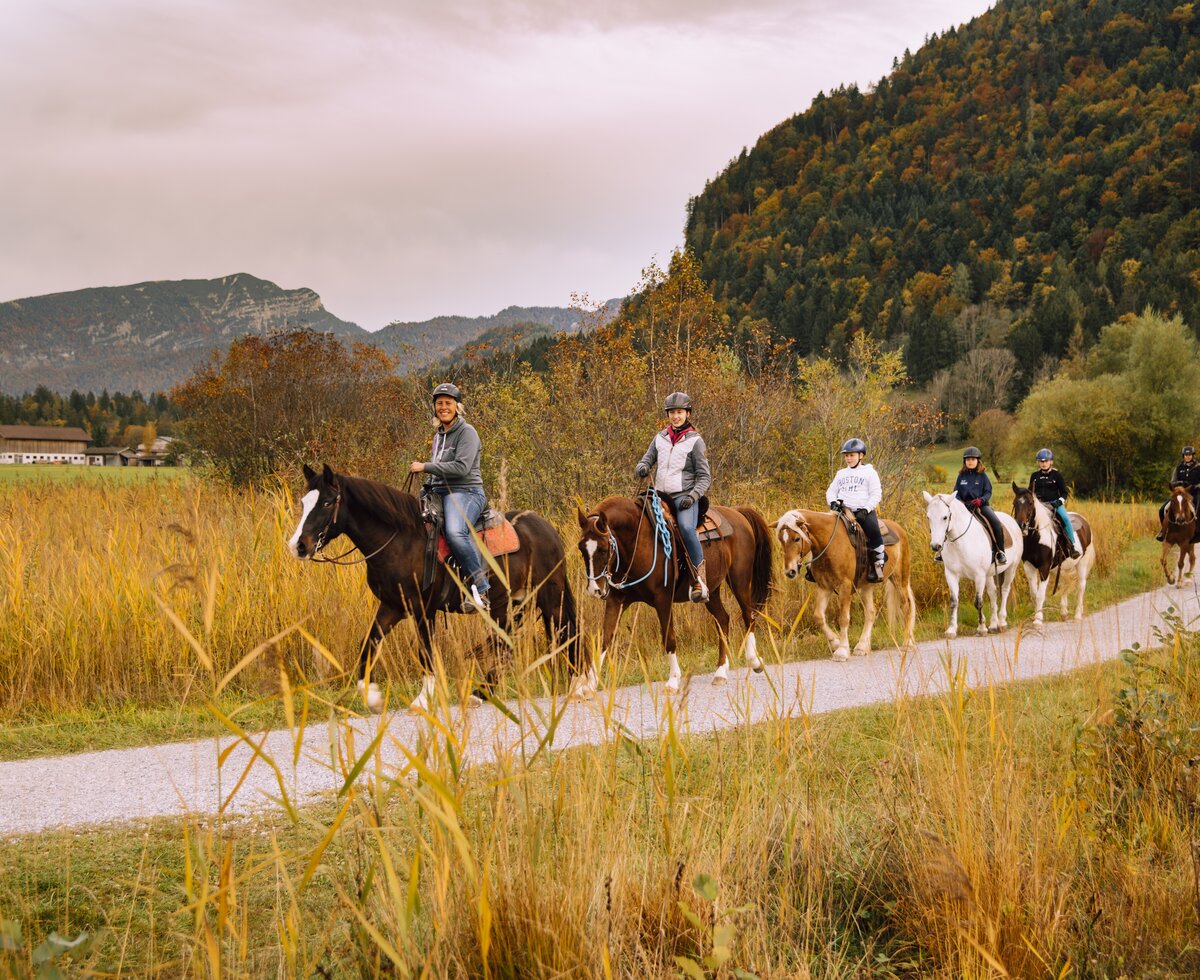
(499, 540)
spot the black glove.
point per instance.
(836, 506)
(641, 471)
(684, 503)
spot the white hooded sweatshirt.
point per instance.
(857, 487)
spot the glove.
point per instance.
(977, 503)
(685, 503)
(836, 506)
(641, 471)
(1060, 501)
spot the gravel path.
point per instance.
(172, 779)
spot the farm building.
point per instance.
(111, 456)
(43, 444)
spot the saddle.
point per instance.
(858, 538)
(710, 526)
(496, 531)
(987, 527)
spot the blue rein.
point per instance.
(662, 534)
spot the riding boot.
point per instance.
(699, 591)
(1159, 536)
(999, 557)
(477, 601)
(875, 570)
(938, 556)
(808, 575)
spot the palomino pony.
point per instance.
(1179, 527)
(966, 549)
(386, 525)
(623, 544)
(835, 569)
(1046, 551)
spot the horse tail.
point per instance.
(568, 627)
(762, 576)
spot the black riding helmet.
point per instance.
(448, 389)
(1189, 450)
(972, 452)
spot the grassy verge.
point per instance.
(1040, 828)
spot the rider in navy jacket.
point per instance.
(1050, 488)
(1185, 474)
(974, 489)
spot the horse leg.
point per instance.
(952, 584)
(1081, 572)
(424, 700)
(718, 612)
(586, 683)
(1006, 583)
(980, 589)
(992, 592)
(666, 622)
(863, 646)
(845, 601)
(1166, 566)
(385, 618)
(819, 609)
(747, 608)
(1037, 592)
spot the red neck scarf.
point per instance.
(675, 434)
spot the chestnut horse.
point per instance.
(1179, 527)
(386, 525)
(834, 566)
(1045, 551)
(624, 547)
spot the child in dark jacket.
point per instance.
(1050, 488)
(974, 489)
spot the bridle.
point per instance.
(1029, 526)
(796, 528)
(951, 538)
(338, 559)
(661, 533)
(1189, 513)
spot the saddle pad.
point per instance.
(1008, 541)
(889, 536)
(499, 540)
(714, 528)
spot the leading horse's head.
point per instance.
(939, 510)
(320, 515)
(598, 547)
(794, 535)
(1179, 508)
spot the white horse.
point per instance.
(966, 550)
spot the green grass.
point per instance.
(56, 473)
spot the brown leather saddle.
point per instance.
(858, 537)
(1008, 541)
(710, 526)
(497, 531)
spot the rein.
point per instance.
(337, 559)
(661, 534)
(817, 557)
(950, 526)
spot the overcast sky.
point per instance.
(404, 158)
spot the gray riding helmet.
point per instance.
(677, 399)
(972, 451)
(446, 388)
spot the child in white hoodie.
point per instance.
(856, 488)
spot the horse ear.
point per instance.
(582, 517)
(602, 523)
(928, 498)
(329, 476)
(309, 473)
(1016, 489)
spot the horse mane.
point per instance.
(791, 520)
(391, 506)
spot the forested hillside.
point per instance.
(1016, 182)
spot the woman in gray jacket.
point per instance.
(454, 476)
(683, 475)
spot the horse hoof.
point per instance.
(758, 668)
(372, 696)
(841, 653)
(474, 701)
(996, 629)
(719, 679)
(671, 687)
(861, 651)
(951, 634)
(981, 631)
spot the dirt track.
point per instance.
(169, 780)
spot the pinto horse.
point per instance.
(387, 526)
(835, 569)
(1045, 551)
(965, 545)
(622, 544)
(1179, 528)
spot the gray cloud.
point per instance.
(402, 160)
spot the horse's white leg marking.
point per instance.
(845, 598)
(371, 695)
(423, 701)
(675, 675)
(1085, 566)
(819, 610)
(952, 585)
(307, 502)
(752, 653)
(863, 646)
(721, 674)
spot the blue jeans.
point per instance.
(463, 507)
(1061, 510)
(686, 519)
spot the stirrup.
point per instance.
(699, 589)
(476, 602)
(1000, 558)
(875, 573)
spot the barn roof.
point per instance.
(56, 433)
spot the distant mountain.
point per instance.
(147, 336)
(448, 338)
(1043, 159)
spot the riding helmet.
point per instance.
(1044, 454)
(855, 446)
(447, 389)
(972, 451)
(1189, 450)
(677, 399)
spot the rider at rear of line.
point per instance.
(974, 488)
(682, 474)
(1187, 474)
(1050, 488)
(453, 474)
(856, 488)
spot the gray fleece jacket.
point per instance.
(456, 455)
(682, 465)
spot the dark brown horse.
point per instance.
(1046, 551)
(1179, 528)
(624, 555)
(386, 525)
